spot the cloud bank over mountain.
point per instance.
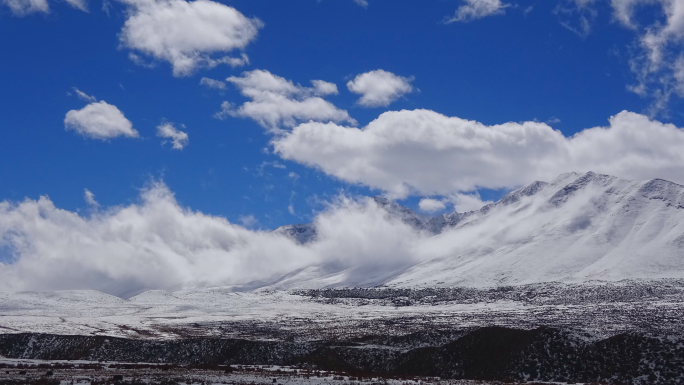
(156, 243)
(574, 228)
(422, 152)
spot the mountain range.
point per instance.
(576, 228)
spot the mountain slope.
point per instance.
(586, 227)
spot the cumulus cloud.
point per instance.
(189, 35)
(249, 221)
(362, 3)
(379, 88)
(553, 120)
(322, 88)
(179, 139)
(430, 205)
(425, 153)
(99, 120)
(477, 9)
(277, 102)
(213, 83)
(157, 244)
(467, 202)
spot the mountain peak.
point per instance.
(565, 178)
(590, 178)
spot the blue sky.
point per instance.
(569, 64)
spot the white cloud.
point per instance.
(379, 88)
(422, 152)
(462, 203)
(143, 62)
(277, 102)
(213, 83)
(179, 139)
(467, 202)
(322, 88)
(655, 37)
(249, 221)
(656, 67)
(188, 35)
(679, 74)
(27, 7)
(99, 120)
(90, 198)
(362, 3)
(553, 120)
(293, 175)
(157, 244)
(576, 16)
(79, 4)
(84, 96)
(477, 9)
(430, 205)
(261, 169)
(659, 29)
(107, 7)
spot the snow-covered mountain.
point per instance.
(306, 232)
(573, 229)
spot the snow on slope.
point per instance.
(575, 228)
(588, 227)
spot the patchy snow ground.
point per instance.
(600, 309)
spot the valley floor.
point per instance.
(92, 373)
(628, 332)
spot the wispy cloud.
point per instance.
(477, 9)
(179, 139)
(84, 96)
